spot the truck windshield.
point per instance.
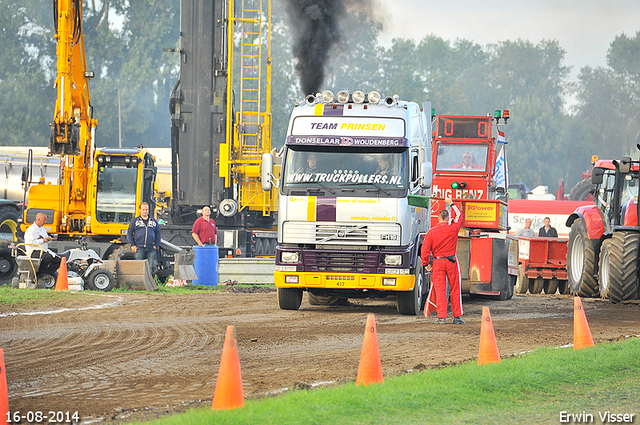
(462, 157)
(346, 169)
(116, 193)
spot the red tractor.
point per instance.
(602, 255)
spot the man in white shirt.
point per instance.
(527, 231)
(37, 235)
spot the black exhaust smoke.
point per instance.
(317, 34)
(314, 24)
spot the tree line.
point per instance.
(124, 43)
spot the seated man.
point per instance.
(384, 166)
(312, 164)
(37, 235)
(468, 163)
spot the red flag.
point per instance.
(430, 305)
(501, 137)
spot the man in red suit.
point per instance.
(441, 242)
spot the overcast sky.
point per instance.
(583, 28)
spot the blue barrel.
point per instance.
(206, 265)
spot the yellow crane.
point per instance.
(98, 190)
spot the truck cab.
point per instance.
(345, 227)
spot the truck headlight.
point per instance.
(393, 260)
(289, 257)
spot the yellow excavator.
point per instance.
(98, 190)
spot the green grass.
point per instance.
(529, 389)
(27, 298)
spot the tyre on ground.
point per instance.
(623, 266)
(289, 298)
(522, 281)
(603, 268)
(536, 285)
(46, 281)
(551, 286)
(101, 280)
(563, 287)
(8, 264)
(581, 262)
(508, 294)
(409, 302)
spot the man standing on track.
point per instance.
(441, 242)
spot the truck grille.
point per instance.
(309, 232)
(340, 261)
(329, 232)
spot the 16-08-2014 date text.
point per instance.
(37, 416)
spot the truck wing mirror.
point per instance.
(597, 176)
(625, 165)
(25, 174)
(266, 171)
(426, 172)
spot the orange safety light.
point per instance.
(594, 159)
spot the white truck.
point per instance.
(345, 226)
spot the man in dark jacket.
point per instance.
(547, 231)
(144, 235)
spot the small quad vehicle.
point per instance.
(83, 263)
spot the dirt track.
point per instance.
(143, 355)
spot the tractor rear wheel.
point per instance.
(581, 262)
(623, 267)
(582, 191)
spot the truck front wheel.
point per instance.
(410, 302)
(289, 298)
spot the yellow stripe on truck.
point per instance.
(311, 208)
(319, 109)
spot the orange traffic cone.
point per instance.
(228, 393)
(62, 284)
(581, 332)
(488, 345)
(430, 305)
(4, 394)
(370, 368)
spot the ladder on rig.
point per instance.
(253, 120)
